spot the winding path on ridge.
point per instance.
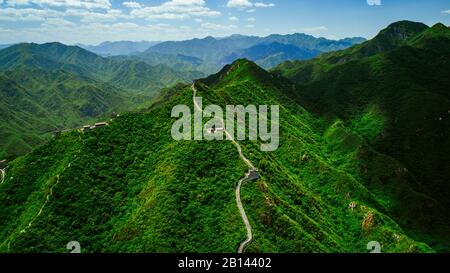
(3, 175)
(247, 177)
(47, 199)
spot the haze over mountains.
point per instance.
(210, 54)
(217, 52)
(118, 48)
(51, 87)
(363, 156)
(133, 73)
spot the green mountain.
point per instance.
(332, 186)
(271, 54)
(209, 49)
(52, 86)
(394, 36)
(35, 102)
(127, 74)
(175, 61)
(217, 52)
(155, 194)
(309, 42)
(398, 98)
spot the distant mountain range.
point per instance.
(266, 51)
(363, 156)
(49, 87)
(208, 55)
(132, 75)
(118, 48)
(271, 54)
(134, 72)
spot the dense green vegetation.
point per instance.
(322, 167)
(394, 91)
(129, 187)
(150, 193)
(49, 87)
(34, 103)
(127, 74)
(32, 74)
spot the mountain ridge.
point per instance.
(115, 48)
(300, 203)
(214, 51)
(363, 157)
(404, 89)
(75, 59)
(73, 69)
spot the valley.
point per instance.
(53, 87)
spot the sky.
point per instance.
(95, 21)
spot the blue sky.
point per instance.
(94, 21)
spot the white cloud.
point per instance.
(124, 26)
(374, 2)
(57, 15)
(249, 26)
(94, 33)
(163, 25)
(251, 19)
(243, 4)
(87, 16)
(93, 21)
(94, 17)
(133, 5)
(155, 16)
(14, 3)
(86, 4)
(26, 14)
(185, 3)
(233, 18)
(315, 29)
(175, 9)
(239, 4)
(264, 5)
(251, 10)
(446, 11)
(212, 26)
(58, 22)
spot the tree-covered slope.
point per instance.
(53, 86)
(396, 98)
(130, 187)
(129, 74)
(34, 103)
